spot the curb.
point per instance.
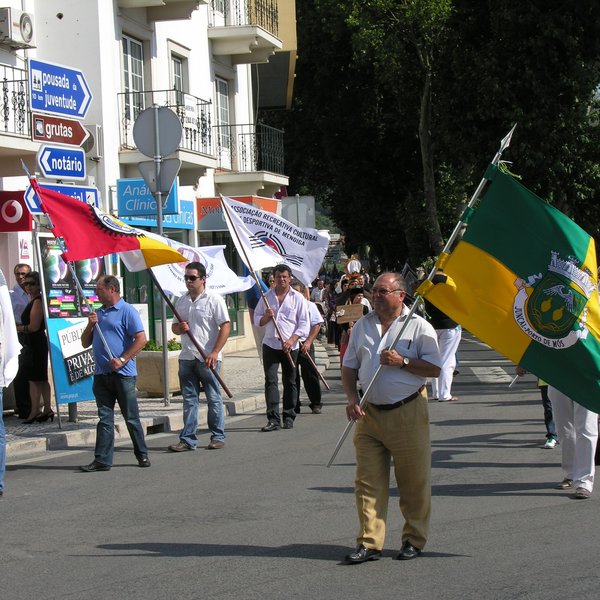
(169, 421)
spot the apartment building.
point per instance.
(214, 63)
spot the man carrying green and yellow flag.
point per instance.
(524, 279)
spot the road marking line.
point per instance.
(491, 374)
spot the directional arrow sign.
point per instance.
(87, 194)
(61, 162)
(58, 90)
(57, 130)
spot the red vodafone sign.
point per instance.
(57, 130)
(14, 215)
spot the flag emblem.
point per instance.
(114, 226)
(552, 309)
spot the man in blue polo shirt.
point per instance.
(120, 338)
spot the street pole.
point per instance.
(159, 224)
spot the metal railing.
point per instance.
(245, 12)
(193, 112)
(250, 147)
(15, 102)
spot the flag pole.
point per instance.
(504, 143)
(249, 265)
(314, 366)
(189, 333)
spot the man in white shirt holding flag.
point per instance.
(286, 322)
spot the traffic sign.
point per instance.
(58, 90)
(157, 124)
(57, 130)
(90, 195)
(58, 162)
(167, 172)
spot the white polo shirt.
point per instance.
(205, 316)
(418, 340)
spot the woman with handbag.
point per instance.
(34, 355)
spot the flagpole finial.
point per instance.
(24, 167)
(505, 143)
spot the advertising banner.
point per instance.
(66, 317)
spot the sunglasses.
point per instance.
(383, 291)
(29, 283)
(191, 277)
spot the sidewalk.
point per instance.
(242, 372)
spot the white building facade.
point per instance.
(214, 63)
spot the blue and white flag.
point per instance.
(219, 277)
(263, 240)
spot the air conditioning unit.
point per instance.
(94, 144)
(16, 28)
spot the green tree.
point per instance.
(400, 104)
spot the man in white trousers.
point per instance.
(448, 334)
(577, 430)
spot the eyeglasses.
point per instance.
(384, 291)
(191, 277)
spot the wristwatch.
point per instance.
(405, 361)
(122, 359)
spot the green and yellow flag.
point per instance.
(524, 280)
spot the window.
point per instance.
(222, 113)
(133, 77)
(177, 66)
(177, 78)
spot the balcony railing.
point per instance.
(248, 148)
(194, 114)
(245, 12)
(15, 105)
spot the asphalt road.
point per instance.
(264, 518)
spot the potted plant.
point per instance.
(150, 367)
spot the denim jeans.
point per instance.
(2, 446)
(548, 415)
(271, 360)
(109, 388)
(194, 374)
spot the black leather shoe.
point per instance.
(408, 552)
(271, 426)
(95, 466)
(288, 424)
(362, 554)
(144, 462)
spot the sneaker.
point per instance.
(180, 447)
(582, 494)
(216, 445)
(550, 444)
(565, 484)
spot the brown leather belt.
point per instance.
(400, 402)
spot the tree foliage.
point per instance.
(400, 104)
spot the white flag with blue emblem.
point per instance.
(264, 239)
(219, 277)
